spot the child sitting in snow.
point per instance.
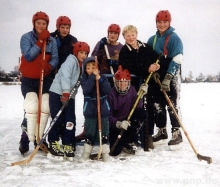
(60, 89)
(122, 99)
(88, 82)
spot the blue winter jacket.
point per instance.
(174, 46)
(88, 83)
(67, 76)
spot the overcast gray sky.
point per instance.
(197, 22)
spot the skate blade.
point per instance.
(160, 142)
(175, 147)
(69, 158)
(54, 157)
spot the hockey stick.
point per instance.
(108, 57)
(140, 95)
(200, 157)
(99, 112)
(43, 147)
(28, 160)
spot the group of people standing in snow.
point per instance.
(52, 63)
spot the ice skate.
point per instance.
(160, 137)
(176, 142)
(54, 151)
(128, 149)
(24, 143)
(68, 152)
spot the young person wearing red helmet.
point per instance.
(113, 47)
(121, 99)
(32, 63)
(167, 41)
(88, 83)
(63, 38)
(60, 89)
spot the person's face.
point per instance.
(130, 37)
(81, 55)
(162, 26)
(40, 25)
(113, 36)
(90, 67)
(122, 85)
(64, 30)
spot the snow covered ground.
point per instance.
(200, 116)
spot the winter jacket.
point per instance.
(64, 46)
(102, 57)
(32, 55)
(171, 64)
(88, 83)
(121, 105)
(67, 76)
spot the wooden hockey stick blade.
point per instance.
(206, 158)
(28, 160)
(44, 148)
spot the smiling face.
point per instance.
(40, 25)
(64, 30)
(162, 26)
(130, 37)
(113, 36)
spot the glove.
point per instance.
(144, 88)
(65, 98)
(155, 76)
(123, 124)
(46, 66)
(102, 42)
(112, 62)
(42, 37)
(166, 82)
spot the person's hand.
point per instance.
(165, 85)
(65, 98)
(103, 42)
(155, 76)
(96, 72)
(123, 124)
(153, 67)
(144, 88)
(44, 35)
(46, 66)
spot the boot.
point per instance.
(24, 143)
(43, 123)
(176, 137)
(68, 152)
(150, 142)
(160, 137)
(105, 152)
(86, 153)
(31, 126)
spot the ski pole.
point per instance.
(98, 111)
(43, 147)
(140, 95)
(200, 157)
(28, 160)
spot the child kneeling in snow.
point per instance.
(122, 99)
(60, 89)
(88, 82)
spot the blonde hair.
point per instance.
(129, 28)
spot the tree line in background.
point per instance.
(14, 76)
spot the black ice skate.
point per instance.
(68, 152)
(24, 143)
(160, 137)
(130, 149)
(54, 151)
(176, 141)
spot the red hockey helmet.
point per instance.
(114, 28)
(80, 46)
(122, 74)
(40, 15)
(163, 15)
(63, 20)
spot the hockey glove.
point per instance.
(65, 98)
(155, 75)
(46, 66)
(42, 37)
(123, 124)
(166, 82)
(102, 42)
(144, 88)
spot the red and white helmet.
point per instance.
(80, 46)
(40, 15)
(114, 28)
(63, 20)
(122, 76)
(163, 15)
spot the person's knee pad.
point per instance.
(31, 103)
(45, 104)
